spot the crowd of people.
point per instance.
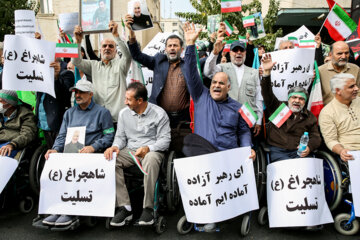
(121, 118)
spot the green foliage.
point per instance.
(7, 9)
(212, 7)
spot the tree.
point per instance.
(7, 9)
(212, 7)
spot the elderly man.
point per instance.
(18, 124)
(109, 74)
(141, 21)
(169, 89)
(244, 81)
(99, 133)
(340, 119)
(284, 140)
(143, 133)
(339, 64)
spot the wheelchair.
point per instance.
(167, 196)
(17, 191)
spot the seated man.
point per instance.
(340, 119)
(99, 132)
(18, 124)
(144, 130)
(285, 140)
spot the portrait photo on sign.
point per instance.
(95, 15)
(75, 139)
(140, 14)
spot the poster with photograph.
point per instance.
(75, 139)
(213, 22)
(140, 14)
(95, 15)
(257, 30)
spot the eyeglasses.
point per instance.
(238, 49)
(108, 45)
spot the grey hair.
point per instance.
(338, 81)
(285, 41)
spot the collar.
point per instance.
(330, 67)
(339, 104)
(91, 105)
(144, 113)
(238, 68)
(110, 62)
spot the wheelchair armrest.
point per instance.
(265, 146)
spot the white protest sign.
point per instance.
(25, 23)
(218, 186)
(78, 184)
(27, 64)
(7, 168)
(294, 67)
(303, 33)
(354, 169)
(295, 193)
(68, 21)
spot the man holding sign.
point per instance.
(288, 123)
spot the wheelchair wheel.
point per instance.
(263, 217)
(172, 193)
(260, 172)
(160, 226)
(340, 223)
(26, 205)
(183, 226)
(37, 163)
(245, 225)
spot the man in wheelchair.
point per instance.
(18, 125)
(340, 119)
(99, 133)
(142, 137)
(284, 140)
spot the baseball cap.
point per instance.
(83, 85)
(237, 44)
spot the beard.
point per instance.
(173, 58)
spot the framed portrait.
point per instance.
(75, 139)
(140, 13)
(95, 15)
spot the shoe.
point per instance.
(146, 217)
(65, 220)
(210, 227)
(121, 217)
(50, 220)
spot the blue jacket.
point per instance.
(218, 122)
(159, 64)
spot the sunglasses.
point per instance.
(108, 45)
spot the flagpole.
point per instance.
(326, 18)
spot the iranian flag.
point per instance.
(280, 115)
(307, 44)
(228, 27)
(339, 24)
(230, 6)
(294, 40)
(248, 21)
(227, 45)
(248, 115)
(315, 100)
(67, 50)
(243, 39)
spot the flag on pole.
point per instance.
(229, 28)
(248, 21)
(123, 36)
(339, 24)
(227, 45)
(230, 6)
(248, 114)
(315, 103)
(281, 114)
(67, 50)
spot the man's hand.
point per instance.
(257, 129)
(142, 151)
(318, 40)
(213, 37)
(47, 154)
(253, 155)
(219, 44)
(37, 35)
(267, 63)
(78, 33)
(6, 150)
(109, 152)
(248, 38)
(305, 152)
(87, 149)
(190, 33)
(345, 156)
(261, 71)
(113, 26)
(56, 66)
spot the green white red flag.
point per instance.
(315, 103)
(230, 6)
(339, 24)
(248, 114)
(248, 21)
(227, 45)
(66, 50)
(228, 27)
(281, 114)
(138, 163)
(294, 40)
(307, 44)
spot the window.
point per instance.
(174, 24)
(46, 6)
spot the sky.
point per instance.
(177, 6)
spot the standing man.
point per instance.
(339, 54)
(109, 74)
